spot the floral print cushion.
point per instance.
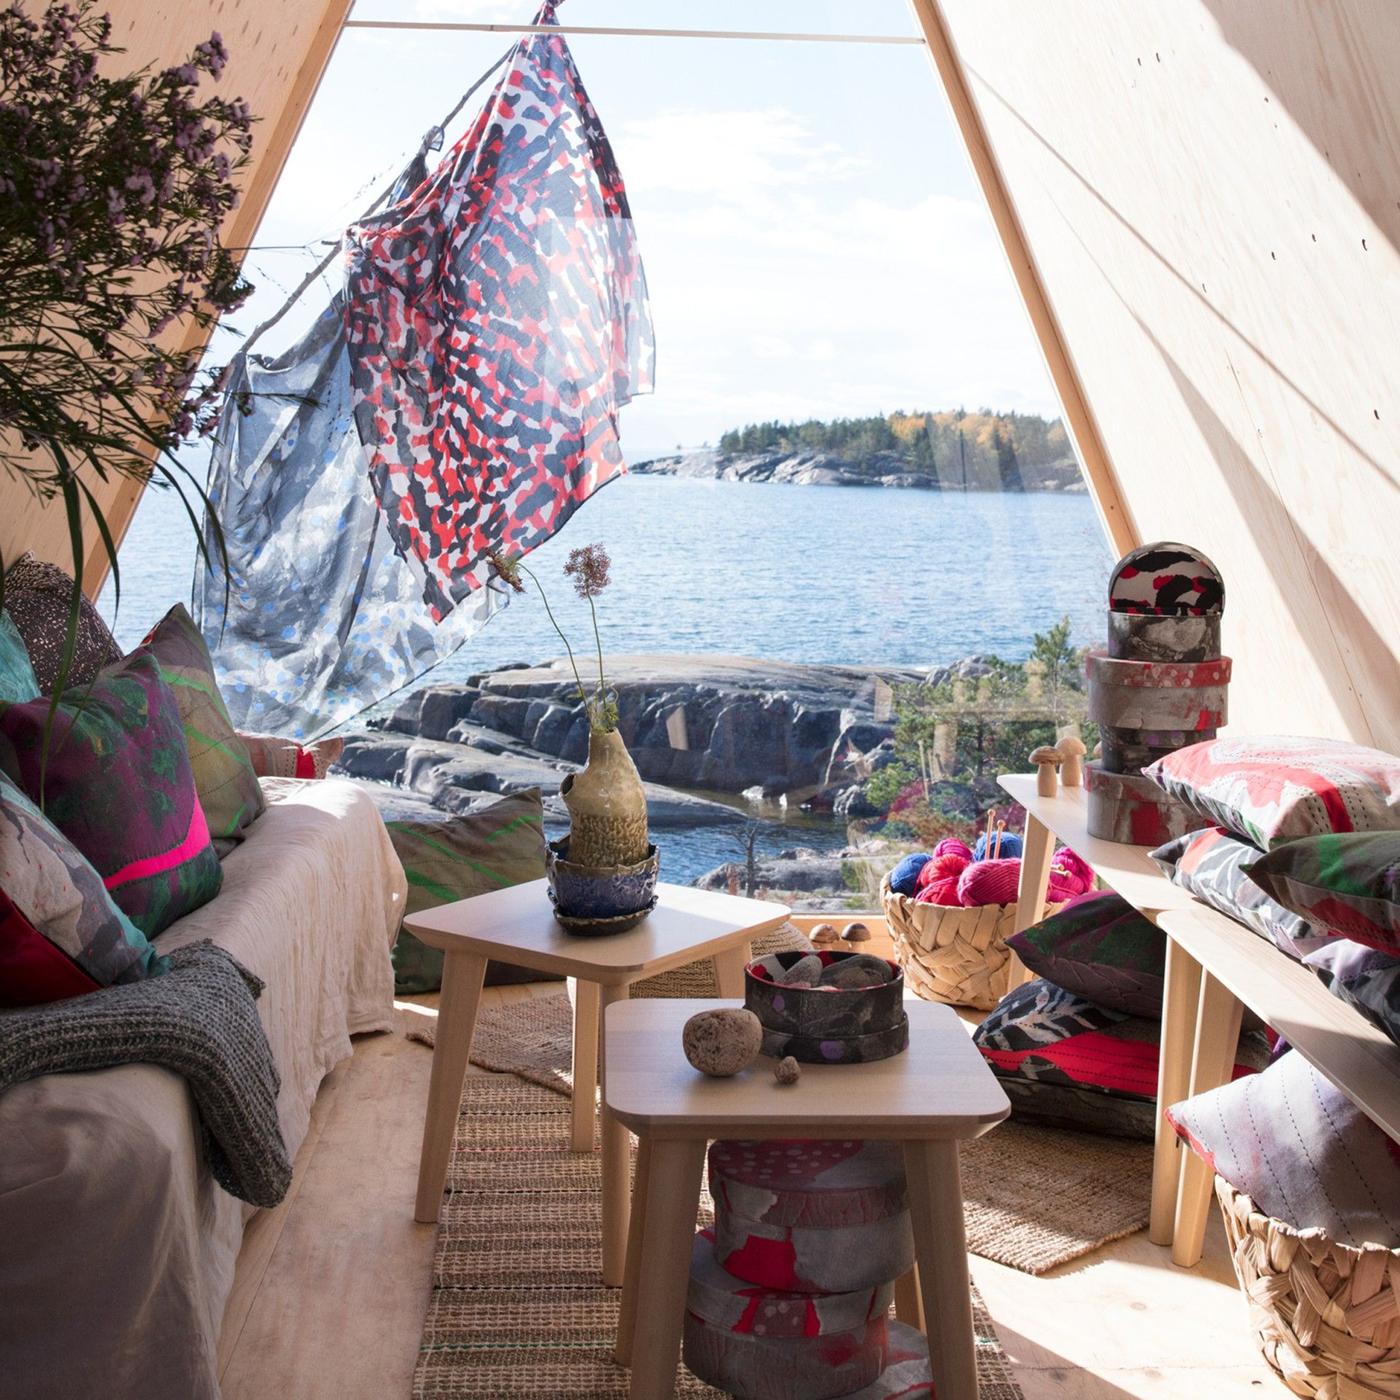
(54, 890)
(224, 778)
(1349, 884)
(1099, 947)
(116, 781)
(1276, 789)
(1301, 1150)
(1214, 866)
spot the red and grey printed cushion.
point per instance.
(1349, 884)
(1215, 867)
(1276, 789)
(1301, 1150)
(1099, 947)
(34, 971)
(1066, 1063)
(275, 757)
(1364, 977)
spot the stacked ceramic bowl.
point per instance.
(594, 900)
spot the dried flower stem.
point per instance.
(582, 693)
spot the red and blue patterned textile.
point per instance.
(496, 320)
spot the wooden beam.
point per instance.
(1080, 422)
(274, 143)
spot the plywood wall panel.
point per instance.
(278, 50)
(1210, 193)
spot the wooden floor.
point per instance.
(331, 1286)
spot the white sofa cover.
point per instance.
(117, 1249)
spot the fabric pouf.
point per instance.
(811, 1216)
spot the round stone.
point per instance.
(722, 1042)
(787, 1070)
(805, 972)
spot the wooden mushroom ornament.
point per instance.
(1072, 750)
(1047, 760)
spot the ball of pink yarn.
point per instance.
(1070, 874)
(989, 882)
(950, 863)
(944, 891)
(951, 846)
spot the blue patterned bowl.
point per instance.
(583, 892)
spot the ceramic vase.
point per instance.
(607, 806)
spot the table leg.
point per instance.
(729, 970)
(462, 975)
(616, 1175)
(1179, 1005)
(636, 1232)
(1037, 850)
(673, 1198)
(1217, 1040)
(586, 1002)
(936, 1207)
(908, 1306)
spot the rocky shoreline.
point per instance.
(879, 469)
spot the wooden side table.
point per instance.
(517, 925)
(936, 1093)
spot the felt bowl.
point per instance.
(840, 1026)
(584, 892)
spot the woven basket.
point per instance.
(1327, 1315)
(949, 953)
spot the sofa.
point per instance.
(117, 1249)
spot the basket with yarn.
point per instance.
(951, 910)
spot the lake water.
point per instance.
(857, 576)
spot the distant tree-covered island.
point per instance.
(953, 450)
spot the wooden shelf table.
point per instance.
(936, 1093)
(517, 925)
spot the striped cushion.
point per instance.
(116, 781)
(223, 769)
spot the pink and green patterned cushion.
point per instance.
(228, 787)
(1214, 866)
(1301, 1150)
(1277, 789)
(1099, 947)
(117, 782)
(57, 892)
(1349, 884)
(1066, 1063)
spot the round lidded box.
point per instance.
(811, 1216)
(769, 1344)
(827, 1025)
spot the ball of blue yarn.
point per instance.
(1011, 846)
(904, 878)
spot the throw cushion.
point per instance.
(17, 679)
(223, 770)
(117, 782)
(1067, 1063)
(38, 598)
(1301, 1150)
(1099, 947)
(275, 757)
(1365, 978)
(455, 857)
(1271, 790)
(1214, 866)
(1349, 884)
(59, 895)
(32, 970)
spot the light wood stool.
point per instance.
(517, 925)
(936, 1093)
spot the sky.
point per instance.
(814, 243)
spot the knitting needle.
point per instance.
(1001, 828)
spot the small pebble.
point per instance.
(787, 1070)
(861, 971)
(805, 972)
(722, 1042)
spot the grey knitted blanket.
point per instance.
(200, 1020)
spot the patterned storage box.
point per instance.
(811, 1217)
(769, 1344)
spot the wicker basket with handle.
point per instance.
(1327, 1315)
(950, 953)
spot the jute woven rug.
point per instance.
(1033, 1198)
(517, 1310)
